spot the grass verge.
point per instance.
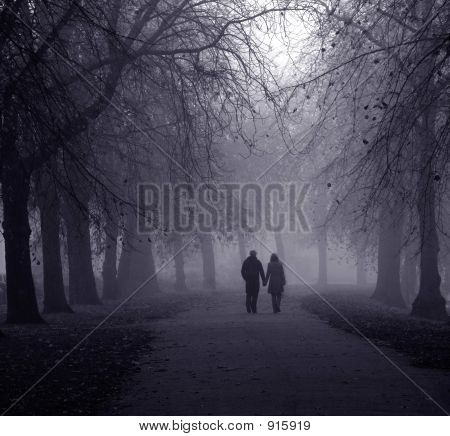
(92, 374)
(425, 342)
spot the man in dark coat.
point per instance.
(251, 270)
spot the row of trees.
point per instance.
(378, 89)
(97, 96)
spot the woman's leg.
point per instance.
(279, 302)
(274, 303)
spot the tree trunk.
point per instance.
(446, 281)
(109, 271)
(82, 288)
(21, 297)
(123, 272)
(209, 267)
(445, 270)
(388, 289)
(409, 276)
(180, 277)
(429, 302)
(177, 246)
(54, 293)
(322, 248)
(142, 268)
(136, 263)
(321, 233)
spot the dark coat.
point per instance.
(251, 270)
(276, 278)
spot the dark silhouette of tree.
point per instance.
(388, 289)
(208, 260)
(49, 208)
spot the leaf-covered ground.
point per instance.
(426, 342)
(92, 374)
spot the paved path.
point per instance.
(218, 360)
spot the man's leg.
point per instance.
(248, 302)
(254, 301)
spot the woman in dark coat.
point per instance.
(276, 279)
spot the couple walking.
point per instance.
(252, 269)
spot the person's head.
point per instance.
(274, 258)
(253, 253)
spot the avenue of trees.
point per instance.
(97, 96)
